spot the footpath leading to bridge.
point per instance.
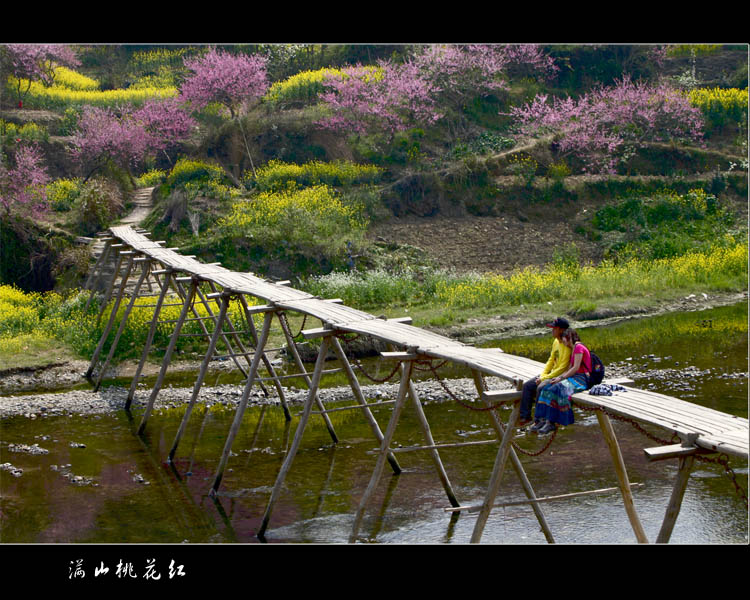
(695, 431)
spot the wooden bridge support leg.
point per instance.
(149, 339)
(99, 262)
(240, 412)
(403, 391)
(301, 366)
(622, 476)
(675, 502)
(223, 335)
(266, 361)
(110, 323)
(515, 461)
(121, 328)
(497, 474)
(111, 284)
(94, 275)
(201, 374)
(304, 418)
(429, 441)
(168, 355)
(354, 383)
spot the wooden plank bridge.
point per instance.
(193, 284)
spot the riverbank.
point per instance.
(61, 389)
(49, 376)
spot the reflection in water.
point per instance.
(129, 493)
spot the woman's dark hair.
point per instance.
(571, 334)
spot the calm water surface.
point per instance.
(98, 482)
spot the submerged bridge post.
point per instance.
(304, 417)
(168, 274)
(243, 402)
(622, 476)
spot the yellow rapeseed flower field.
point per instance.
(635, 276)
(56, 96)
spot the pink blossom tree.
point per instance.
(232, 80)
(604, 127)
(104, 135)
(22, 185)
(128, 136)
(398, 96)
(388, 98)
(35, 62)
(165, 122)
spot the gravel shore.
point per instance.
(112, 399)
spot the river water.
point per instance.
(91, 479)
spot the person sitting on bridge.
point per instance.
(558, 362)
(553, 406)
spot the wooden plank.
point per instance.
(671, 451)
(403, 356)
(501, 395)
(476, 507)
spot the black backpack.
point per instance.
(597, 370)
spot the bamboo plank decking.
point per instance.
(701, 429)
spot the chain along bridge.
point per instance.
(145, 268)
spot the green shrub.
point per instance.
(559, 170)
(69, 123)
(721, 106)
(524, 167)
(378, 287)
(190, 170)
(18, 313)
(310, 221)
(28, 132)
(98, 203)
(62, 193)
(484, 143)
(664, 225)
(151, 178)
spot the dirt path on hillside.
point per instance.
(143, 203)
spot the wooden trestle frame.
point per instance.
(701, 430)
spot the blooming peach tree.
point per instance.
(605, 126)
(22, 184)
